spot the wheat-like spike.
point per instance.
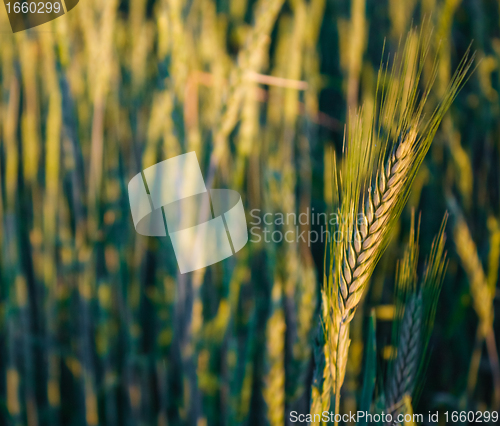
(482, 294)
(360, 255)
(415, 312)
(482, 297)
(387, 167)
(249, 59)
(402, 380)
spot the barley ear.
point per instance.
(415, 312)
(381, 159)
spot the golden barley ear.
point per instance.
(381, 159)
(415, 311)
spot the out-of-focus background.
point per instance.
(98, 326)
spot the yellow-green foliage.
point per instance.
(99, 327)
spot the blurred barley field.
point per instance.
(97, 324)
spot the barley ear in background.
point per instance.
(415, 312)
(482, 294)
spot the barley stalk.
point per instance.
(415, 312)
(322, 383)
(402, 381)
(369, 203)
(482, 297)
(360, 255)
(482, 294)
(249, 59)
(274, 392)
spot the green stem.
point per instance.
(337, 371)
